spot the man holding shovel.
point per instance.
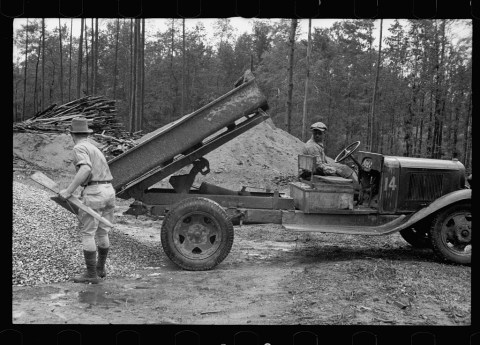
(94, 175)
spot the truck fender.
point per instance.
(443, 201)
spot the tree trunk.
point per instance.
(43, 64)
(429, 129)
(79, 63)
(454, 129)
(130, 89)
(380, 138)
(172, 72)
(408, 119)
(182, 106)
(330, 96)
(115, 66)
(392, 128)
(288, 115)
(15, 111)
(304, 117)
(133, 121)
(60, 81)
(415, 140)
(70, 62)
(138, 87)
(172, 43)
(443, 92)
(95, 61)
(466, 133)
(25, 74)
(420, 144)
(436, 77)
(35, 93)
(373, 127)
(418, 148)
(143, 75)
(92, 53)
(448, 116)
(87, 77)
(439, 99)
(52, 84)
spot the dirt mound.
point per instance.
(255, 159)
(48, 151)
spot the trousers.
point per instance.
(100, 198)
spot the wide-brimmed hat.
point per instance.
(79, 125)
(318, 126)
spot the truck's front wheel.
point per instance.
(451, 234)
(197, 234)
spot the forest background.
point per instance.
(410, 94)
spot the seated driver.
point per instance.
(325, 165)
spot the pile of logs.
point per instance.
(100, 112)
(102, 119)
(113, 146)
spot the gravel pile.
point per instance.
(46, 244)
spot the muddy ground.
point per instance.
(271, 277)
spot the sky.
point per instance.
(240, 24)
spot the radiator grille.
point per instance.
(425, 186)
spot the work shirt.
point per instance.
(84, 152)
(312, 148)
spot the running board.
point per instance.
(383, 229)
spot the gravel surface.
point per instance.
(46, 244)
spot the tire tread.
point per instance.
(196, 204)
(435, 235)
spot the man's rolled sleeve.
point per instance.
(80, 156)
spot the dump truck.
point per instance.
(426, 200)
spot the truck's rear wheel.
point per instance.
(197, 234)
(451, 234)
(418, 235)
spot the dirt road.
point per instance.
(271, 277)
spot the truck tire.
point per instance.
(451, 234)
(418, 235)
(197, 234)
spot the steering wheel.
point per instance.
(347, 152)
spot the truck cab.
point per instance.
(426, 200)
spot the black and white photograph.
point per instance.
(242, 171)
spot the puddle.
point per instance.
(141, 286)
(58, 295)
(98, 296)
(273, 246)
(268, 249)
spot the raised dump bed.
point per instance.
(185, 135)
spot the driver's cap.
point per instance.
(318, 126)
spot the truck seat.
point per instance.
(307, 165)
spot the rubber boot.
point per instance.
(90, 275)
(102, 257)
